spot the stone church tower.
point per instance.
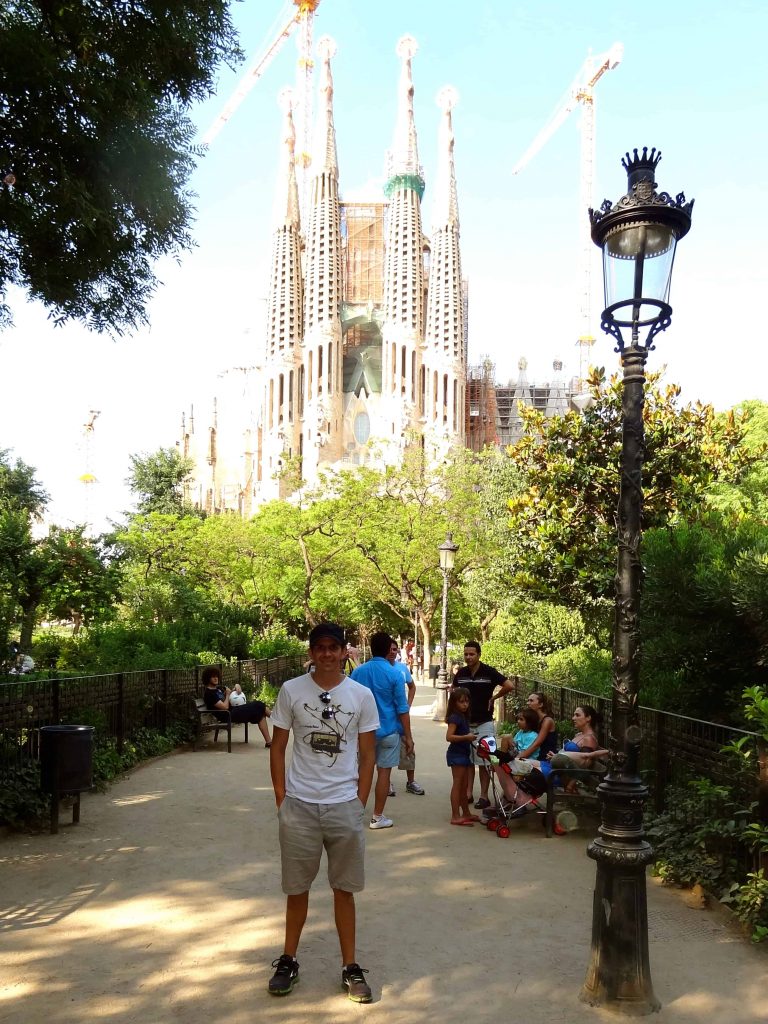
(365, 338)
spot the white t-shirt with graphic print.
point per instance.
(324, 762)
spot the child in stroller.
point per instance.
(522, 785)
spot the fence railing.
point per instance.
(119, 703)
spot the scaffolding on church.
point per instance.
(362, 234)
(481, 406)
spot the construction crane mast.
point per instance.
(301, 19)
(581, 92)
(87, 479)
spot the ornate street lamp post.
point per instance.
(447, 552)
(637, 235)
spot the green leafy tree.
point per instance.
(564, 521)
(82, 577)
(703, 615)
(486, 584)
(395, 521)
(298, 552)
(19, 490)
(22, 502)
(157, 480)
(96, 149)
(162, 578)
(748, 497)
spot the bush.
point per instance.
(548, 642)
(22, 802)
(121, 647)
(511, 660)
(267, 692)
(695, 839)
(274, 642)
(750, 903)
(143, 744)
(539, 628)
(585, 667)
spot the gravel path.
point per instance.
(164, 905)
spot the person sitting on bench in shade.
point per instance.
(217, 699)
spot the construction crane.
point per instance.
(87, 478)
(581, 92)
(301, 19)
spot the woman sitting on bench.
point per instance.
(580, 752)
(216, 698)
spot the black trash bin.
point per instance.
(66, 765)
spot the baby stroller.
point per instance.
(531, 787)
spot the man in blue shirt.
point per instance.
(386, 684)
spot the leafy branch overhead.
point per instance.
(96, 149)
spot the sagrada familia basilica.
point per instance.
(366, 323)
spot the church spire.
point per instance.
(445, 307)
(322, 295)
(286, 208)
(445, 335)
(445, 210)
(324, 159)
(404, 156)
(285, 299)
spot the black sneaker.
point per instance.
(285, 977)
(481, 803)
(353, 980)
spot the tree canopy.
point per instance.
(96, 148)
(564, 520)
(157, 479)
(535, 529)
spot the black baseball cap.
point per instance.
(330, 630)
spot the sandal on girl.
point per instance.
(463, 821)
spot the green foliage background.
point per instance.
(534, 569)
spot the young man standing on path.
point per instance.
(481, 680)
(321, 798)
(407, 762)
(386, 684)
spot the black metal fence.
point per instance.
(119, 703)
(674, 750)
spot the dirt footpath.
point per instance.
(164, 905)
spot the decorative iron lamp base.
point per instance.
(619, 976)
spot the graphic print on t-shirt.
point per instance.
(332, 729)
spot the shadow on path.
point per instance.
(164, 905)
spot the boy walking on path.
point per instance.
(321, 798)
(386, 684)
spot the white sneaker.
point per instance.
(381, 821)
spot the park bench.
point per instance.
(206, 720)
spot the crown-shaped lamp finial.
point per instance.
(641, 168)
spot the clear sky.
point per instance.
(693, 82)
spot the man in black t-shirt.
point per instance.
(482, 682)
